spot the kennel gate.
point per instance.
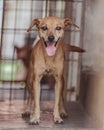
(15, 17)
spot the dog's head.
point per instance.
(51, 30)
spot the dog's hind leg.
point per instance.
(29, 105)
(29, 86)
(27, 112)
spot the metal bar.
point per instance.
(81, 44)
(57, 0)
(46, 8)
(67, 60)
(22, 30)
(32, 8)
(11, 83)
(2, 30)
(1, 36)
(71, 89)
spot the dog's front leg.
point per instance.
(62, 110)
(35, 119)
(58, 92)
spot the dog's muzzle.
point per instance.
(50, 45)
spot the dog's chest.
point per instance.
(52, 66)
(49, 67)
(46, 65)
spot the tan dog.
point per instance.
(47, 58)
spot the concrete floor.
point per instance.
(10, 117)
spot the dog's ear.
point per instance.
(34, 22)
(68, 21)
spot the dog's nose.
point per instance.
(51, 38)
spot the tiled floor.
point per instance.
(10, 117)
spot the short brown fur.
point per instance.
(51, 31)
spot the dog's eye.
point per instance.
(44, 28)
(58, 28)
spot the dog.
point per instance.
(47, 58)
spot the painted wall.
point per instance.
(92, 77)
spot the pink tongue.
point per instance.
(50, 49)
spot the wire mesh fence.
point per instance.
(15, 17)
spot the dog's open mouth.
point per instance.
(51, 49)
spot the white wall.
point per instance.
(92, 86)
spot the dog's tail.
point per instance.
(71, 48)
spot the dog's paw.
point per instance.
(26, 115)
(64, 115)
(58, 120)
(34, 121)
